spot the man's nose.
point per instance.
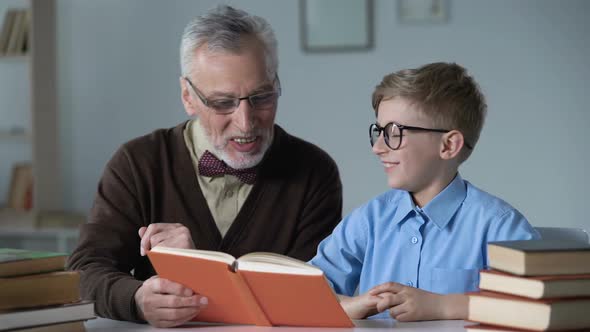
(244, 116)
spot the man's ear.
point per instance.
(186, 97)
(452, 143)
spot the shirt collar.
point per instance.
(440, 209)
(444, 205)
(405, 205)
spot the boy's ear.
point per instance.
(452, 143)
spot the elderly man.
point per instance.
(229, 179)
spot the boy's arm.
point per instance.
(359, 307)
(340, 256)
(407, 303)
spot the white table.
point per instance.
(389, 325)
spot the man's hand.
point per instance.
(359, 307)
(412, 304)
(164, 303)
(169, 235)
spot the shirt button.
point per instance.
(409, 283)
(229, 193)
(414, 240)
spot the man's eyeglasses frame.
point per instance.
(236, 100)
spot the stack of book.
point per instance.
(36, 294)
(533, 285)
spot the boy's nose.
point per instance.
(380, 146)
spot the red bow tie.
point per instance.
(209, 165)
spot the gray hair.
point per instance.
(221, 29)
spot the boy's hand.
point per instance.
(361, 306)
(410, 304)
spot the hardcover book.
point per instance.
(537, 287)
(15, 262)
(18, 319)
(39, 290)
(524, 313)
(539, 257)
(264, 289)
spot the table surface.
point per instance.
(377, 325)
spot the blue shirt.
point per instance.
(439, 248)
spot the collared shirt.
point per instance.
(439, 248)
(225, 194)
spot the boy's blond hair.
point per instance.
(444, 93)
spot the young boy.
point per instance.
(416, 249)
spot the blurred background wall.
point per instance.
(117, 77)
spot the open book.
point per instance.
(264, 289)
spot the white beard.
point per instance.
(241, 160)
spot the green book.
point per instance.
(17, 262)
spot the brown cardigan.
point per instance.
(295, 203)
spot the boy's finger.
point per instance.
(386, 287)
(389, 301)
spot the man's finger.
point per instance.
(151, 230)
(141, 231)
(145, 239)
(158, 238)
(165, 286)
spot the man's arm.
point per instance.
(109, 250)
(108, 247)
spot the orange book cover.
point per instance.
(263, 289)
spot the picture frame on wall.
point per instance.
(336, 25)
(423, 11)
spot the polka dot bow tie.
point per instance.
(209, 165)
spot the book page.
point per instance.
(204, 254)
(275, 263)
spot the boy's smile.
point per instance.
(416, 166)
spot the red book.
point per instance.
(264, 289)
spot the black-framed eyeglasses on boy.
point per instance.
(393, 133)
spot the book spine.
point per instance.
(258, 316)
